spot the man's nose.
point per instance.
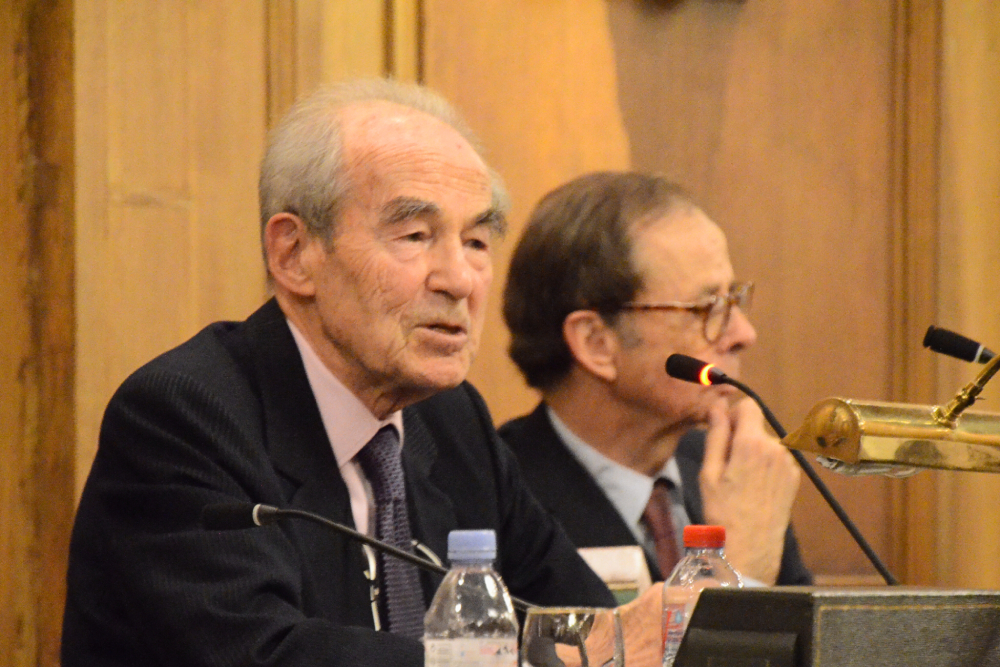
(450, 271)
(740, 333)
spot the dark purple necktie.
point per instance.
(381, 462)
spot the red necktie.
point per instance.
(660, 522)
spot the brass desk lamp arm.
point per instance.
(948, 415)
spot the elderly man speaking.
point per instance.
(344, 395)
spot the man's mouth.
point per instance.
(446, 328)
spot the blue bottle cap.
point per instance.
(477, 545)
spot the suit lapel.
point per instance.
(296, 438)
(689, 454)
(302, 455)
(567, 490)
(432, 512)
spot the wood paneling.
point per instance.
(404, 40)
(969, 254)
(36, 326)
(536, 81)
(311, 42)
(171, 122)
(339, 40)
(914, 293)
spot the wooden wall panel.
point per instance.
(311, 42)
(338, 40)
(15, 544)
(915, 269)
(171, 123)
(36, 326)
(536, 81)
(969, 254)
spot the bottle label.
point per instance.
(485, 652)
(675, 617)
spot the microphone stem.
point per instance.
(820, 485)
(378, 545)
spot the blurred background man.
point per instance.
(614, 273)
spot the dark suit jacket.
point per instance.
(229, 416)
(569, 492)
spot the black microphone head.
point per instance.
(228, 516)
(687, 368)
(955, 345)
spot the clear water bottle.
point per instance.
(471, 620)
(704, 565)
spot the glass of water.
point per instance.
(572, 637)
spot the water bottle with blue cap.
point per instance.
(471, 620)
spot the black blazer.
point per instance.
(569, 492)
(229, 416)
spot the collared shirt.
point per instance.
(349, 426)
(627, 489)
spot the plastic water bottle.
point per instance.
(471, 620)
(704, 565)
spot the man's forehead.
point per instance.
(386, 145)
(684, 253)
(374, 125)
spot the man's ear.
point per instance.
(592, 342)
(290, 249)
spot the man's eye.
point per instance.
(416, 237)
(478, 244)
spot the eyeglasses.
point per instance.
(715, 310)
(372, 575)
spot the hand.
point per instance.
(640, 623)
(748, 483)
(642, 628)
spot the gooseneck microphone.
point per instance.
(956, 345)
(236, 516)
(687, 368)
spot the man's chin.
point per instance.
(441, 374)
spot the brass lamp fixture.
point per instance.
(897, 439)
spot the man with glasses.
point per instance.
(614, 273)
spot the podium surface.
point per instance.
(843, 627)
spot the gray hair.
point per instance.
(302, 171)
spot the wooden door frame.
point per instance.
(915, 288)
(38, 382)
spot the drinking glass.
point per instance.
(572, 637)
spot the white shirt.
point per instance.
(349, 426)
(628, 490)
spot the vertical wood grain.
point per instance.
(339, 40)
(171, 125)
(969, 250)
(280, 58)
(914, 293)
(405, 37)
(15, 592)
(36, 325)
